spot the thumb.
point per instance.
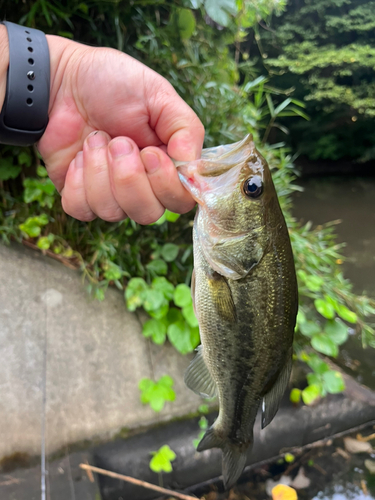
(175, 123)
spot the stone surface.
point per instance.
(95, 358)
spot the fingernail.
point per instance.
(79, 160)
(120, 147)
(96, 140)
(151, 161)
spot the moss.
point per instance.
(16, 460)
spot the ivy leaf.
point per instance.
(43, 243)
(161, 461)
(41, 171)
(156, 329)
(185, 23)
(134, 293)
(153, 300)
(157, 266)
(169, 252)
(309, 328)
(322, 343)
(310, 394)
(183, 338)
(24, 158)
(182, 295)
(337, 331)
(157, 393)
(333, 382)
(163, 285)
(8, 170)
(324, 308)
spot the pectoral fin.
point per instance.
(198, 378)
(222, 297)
(271, 400)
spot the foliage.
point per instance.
(153, 264)
(161, 460)
(325, 50)
(157, 393)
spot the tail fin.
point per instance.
(234, 456)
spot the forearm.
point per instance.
(4, 62)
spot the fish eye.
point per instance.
(252, 189)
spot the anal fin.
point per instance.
(198, 378)
(271, 400)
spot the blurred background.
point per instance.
(96, 321)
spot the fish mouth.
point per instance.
(197, 176)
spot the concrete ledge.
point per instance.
(291, 428)
(96, 356)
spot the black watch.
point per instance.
(24, 116)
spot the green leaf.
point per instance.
(295, 395)
(153, 300)
(289, 458)
(310, 394)
(135, 292)
(182, 295)
(171, 216)
(333, 382)
(309, 328)
(156, 329)
(24, 158)
(314, 283)
(189, 314)
(32, 225)
(346, 314)
(8, 170)
(221, 11)
(185, 23)
(324, 308)
(182, 337)
(322, 343)
(169, 252)
(43, 243)
(161, 461)
(315, 363)
(336, 330)
(113, 272)
(157, 393)
(41, 171)
(163, 285)
(157, 266)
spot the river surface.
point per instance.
(351, 200)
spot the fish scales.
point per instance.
(245, 296)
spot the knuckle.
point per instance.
(111, 214)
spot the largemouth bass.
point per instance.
(245, 295)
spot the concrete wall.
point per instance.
(96, 355)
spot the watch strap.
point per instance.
(24, 116)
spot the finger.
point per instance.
(174, 121)
(129, 182)
(165, 182)
(96, 178)
(73, 196)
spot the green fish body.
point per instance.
(245, 296)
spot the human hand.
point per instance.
(112, 122)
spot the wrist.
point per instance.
(4, 62)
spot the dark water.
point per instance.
(352, 200)
(333, 474)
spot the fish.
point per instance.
(245, 296)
